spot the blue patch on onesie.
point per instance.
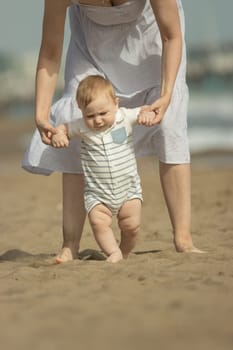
(119, 135)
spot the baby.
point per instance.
(112, 183)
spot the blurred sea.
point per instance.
(209, 77)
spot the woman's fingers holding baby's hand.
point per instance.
(159, 107)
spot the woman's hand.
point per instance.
(159, 108)
(46, 131)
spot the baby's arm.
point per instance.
(60, 139)
(146, 117)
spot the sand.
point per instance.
(157, 299)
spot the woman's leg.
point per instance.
(100, 218)
(74, 215)
(175, 179)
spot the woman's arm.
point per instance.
(49, 63)
(167, 17)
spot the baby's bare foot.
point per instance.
(115, 256)
(65, 255)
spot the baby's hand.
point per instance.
(60, 139)
(146, 117)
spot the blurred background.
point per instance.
(210, 69)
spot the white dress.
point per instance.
(123, 44)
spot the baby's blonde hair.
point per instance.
(90, 87)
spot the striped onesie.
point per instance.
(108, 161)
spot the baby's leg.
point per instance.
(100, 218)
(129, 219)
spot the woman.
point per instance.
(139, 46)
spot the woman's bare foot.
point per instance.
(65, 255)
(192, 249)
(186, 246)
(115, 256)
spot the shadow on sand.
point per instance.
(17, 255)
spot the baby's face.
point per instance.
(99, 115)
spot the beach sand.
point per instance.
(157, 299)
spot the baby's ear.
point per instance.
(117, 101)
